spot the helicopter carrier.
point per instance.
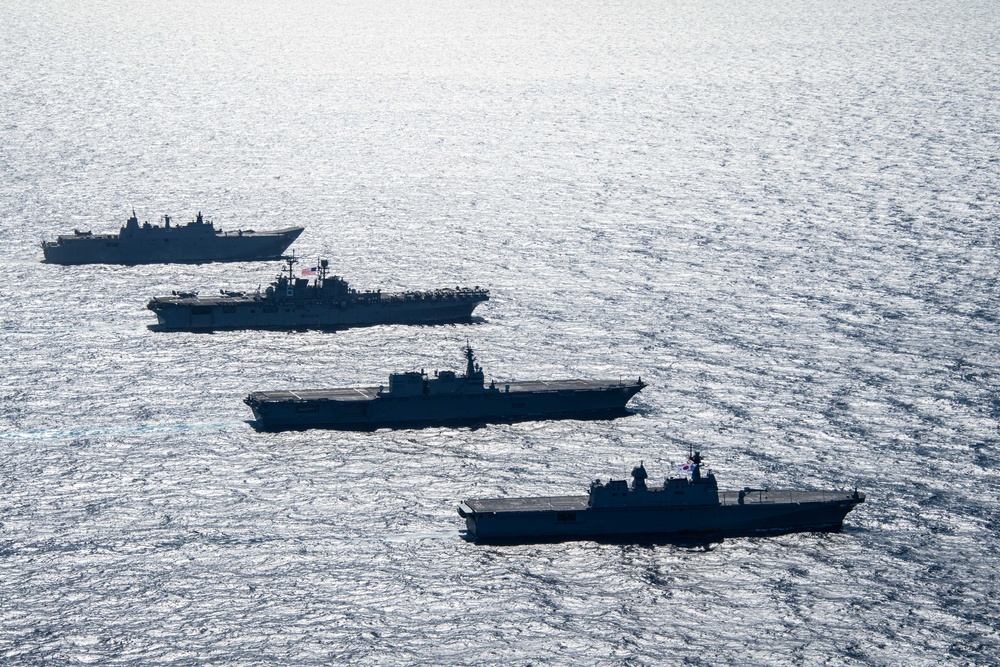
(689, 505)
(416, 399)
(327, 302)
(195, 242)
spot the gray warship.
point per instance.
(688, 506)
(328, 302)
(195, 242)
(416, 399)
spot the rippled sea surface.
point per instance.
(783, 216)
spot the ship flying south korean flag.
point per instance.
(687, 468)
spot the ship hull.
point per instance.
(276, 411)
(250, 314)
(165, 248)
(654, 523)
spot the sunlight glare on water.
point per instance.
(782, 216)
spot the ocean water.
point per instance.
(783, 216)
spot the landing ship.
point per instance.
(197, 241)
(690, 505)
(416, 399)
(328, 302)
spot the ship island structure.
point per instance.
(418, 399)
(327, 302)
(195, 242)
(690, 505)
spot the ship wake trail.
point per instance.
(95, 431)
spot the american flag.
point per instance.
(311, 271)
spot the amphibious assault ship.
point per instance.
(328, 302)
(197, 241)
(416, 399)
(689, 505)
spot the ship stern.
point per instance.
(469, 515)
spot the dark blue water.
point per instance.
(783, 216)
